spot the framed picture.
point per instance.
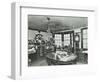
(49, 42)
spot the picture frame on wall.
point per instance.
(49, 42)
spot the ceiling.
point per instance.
(56, 23)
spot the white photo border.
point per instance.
(17, 65)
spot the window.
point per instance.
(84, 39)
(64, 39)
(58, 40)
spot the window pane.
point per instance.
(66, 43)
(84, 36)
(66, 39)
(85, 43)
(58, 40)
(85, 31)
(72, 39)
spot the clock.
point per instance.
(77, 38)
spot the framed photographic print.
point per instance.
(49, 42)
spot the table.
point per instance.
(51, 60)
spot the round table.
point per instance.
(51, 60)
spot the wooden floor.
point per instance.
(41, 61)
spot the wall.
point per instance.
(32, 33)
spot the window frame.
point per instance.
(62, 34)
(84, 49)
